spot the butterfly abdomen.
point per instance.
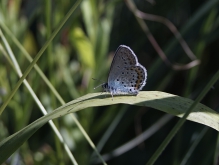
(118, 90)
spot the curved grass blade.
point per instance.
(39, 54)
(165, 102)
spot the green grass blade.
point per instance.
(185, 116)
(193, 146)
(43, 110)
(165, 102)
(38, 56)
(14, 39)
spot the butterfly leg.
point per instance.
(111, 95)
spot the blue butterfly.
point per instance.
(126, 75)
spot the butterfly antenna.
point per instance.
(99, 81)
(95, 79)
(98, 86)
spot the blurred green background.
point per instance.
(83, 50)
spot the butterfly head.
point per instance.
(105, 87)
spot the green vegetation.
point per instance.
(50, 113)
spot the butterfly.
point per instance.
(126, 76)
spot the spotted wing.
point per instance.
(126, 75)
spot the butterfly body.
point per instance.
(126, 76)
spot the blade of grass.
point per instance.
(159, 100)
(43, 110)
(181, 121)
(216, 153)
(194, 145)
(38, 55)
(14, 39)
(50, 62)
(110, 129)
(138, 139)
(39, 71)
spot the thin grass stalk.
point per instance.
(39, 55)
(54, 91)
(194, 145)
(182, 120)
(43, 110)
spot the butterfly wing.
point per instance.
(126, 75)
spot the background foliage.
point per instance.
(83, 50)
